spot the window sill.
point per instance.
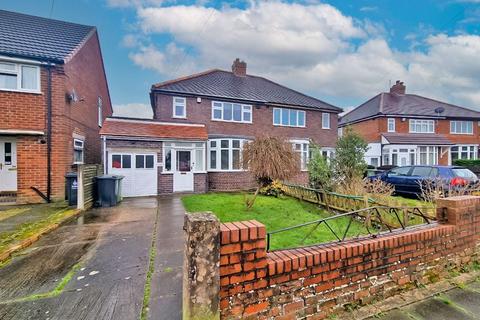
(232, 121)
(21, 91)
(286, 126)
(217, 170)
(177, 117)
(326, 128)
(463, 134)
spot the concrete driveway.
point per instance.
(96, 266)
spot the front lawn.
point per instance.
(274, 213)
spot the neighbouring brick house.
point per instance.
(233, 108)
(54, 98)
(408, 129)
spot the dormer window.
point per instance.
(19, 77)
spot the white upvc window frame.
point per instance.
(459, 124)
(391, 125)
(464, 148)
(79, 145)
(196, 148)
(19, 74)
(100, 111)
(304, 152)
(414, 123)
(217, 149)
(180, 102)
(289, 111)
(220, 107)
(326, 118)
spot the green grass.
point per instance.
(274, 213)
(53, 215)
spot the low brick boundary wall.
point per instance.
(313, 282)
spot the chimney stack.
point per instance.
(398, 88)
(239, 68)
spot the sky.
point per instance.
(342, 52)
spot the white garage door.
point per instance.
(139, 171)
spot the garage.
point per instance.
(139, 171)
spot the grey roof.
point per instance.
(224, 84)
(392, 104)
(417, 139)
(39, 38)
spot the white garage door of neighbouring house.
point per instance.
(139, 171)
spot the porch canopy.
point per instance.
(151, 129)
(416, 139)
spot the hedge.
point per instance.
(473, 165)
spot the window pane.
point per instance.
(139, 161)
(126, 161)
(8, 153)
(217, 114)
(29, 77)
(179, 111)
(213, 159)
(227, 111)
(301, 118)
(224, 160)
(236, 159)
(78, 156)
(199, 160)
(276, 116)
(149, 161)
(237, 112)
(285, 120)
(7, 67)
(293, 117)
(224, 143)
(8, 81)
(116, 161)
(247, 113)
(168, 159)
(235, 143)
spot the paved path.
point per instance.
(106, 254)
(456, 304)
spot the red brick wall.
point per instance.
(316, 281)
(262, 122)
(230, 181)
(27, 111)
(370, 130)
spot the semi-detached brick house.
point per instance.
(54, 98)
(408, 129)
(228, 109)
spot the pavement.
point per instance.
(96, 266)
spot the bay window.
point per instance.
(302, 148)
(225, 154)
(231, 112)
(421, 126)
(427, 155)
(19, 77)
(468, 152)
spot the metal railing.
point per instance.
(370, 221)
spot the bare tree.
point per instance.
(269, 158)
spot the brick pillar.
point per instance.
(201, 266)
(243, 268)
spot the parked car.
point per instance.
(408, 180)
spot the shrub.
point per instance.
(273, 189)
(319, 170)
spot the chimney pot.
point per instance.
(239, 68)
(398, 88)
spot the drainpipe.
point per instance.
(104, 147)
(49, 133)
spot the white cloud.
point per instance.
(134, 3)
(309, 47)
(133, 110)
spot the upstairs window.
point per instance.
(325, 120)
(179, 107)
(288, 117)
(100, 111)
(391, 125)
(231, 112)
(19, 77)
(461, 127)
(421, 126)
(78, 151)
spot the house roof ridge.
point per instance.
(48, 19)
(188, 77)
(447, 103)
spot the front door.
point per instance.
(8, 165)
(403, 159)
(183, 175)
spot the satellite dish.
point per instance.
(439, 110)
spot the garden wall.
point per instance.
(313, 282)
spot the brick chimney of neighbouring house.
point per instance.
(239, 68)
(398, 88)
